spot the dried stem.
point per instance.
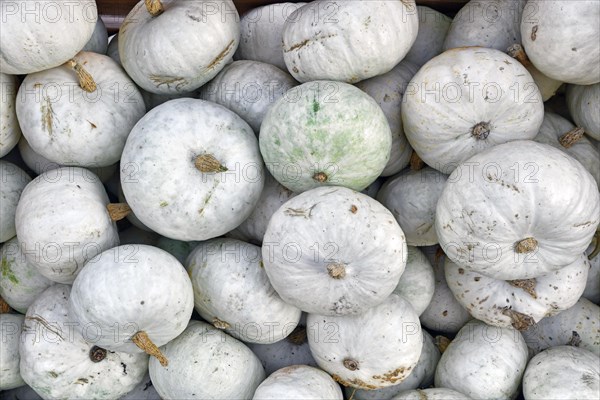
(86, 82)
(142, 341)
(118, 211)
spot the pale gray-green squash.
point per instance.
(10, 131)
(98, 43)
(433, 28)
(14, 180)
(583, 102)
(298, 382)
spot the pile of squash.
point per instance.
(324, 200)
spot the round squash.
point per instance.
(387, 90)
(20, 282)
(262, 33)
(161, 59)
(298, 382)
(348, 41)
(81, 113)
(325, 133)
(583, 103)
(40, 35)
(433, 28)
(10, 338)
(248, 88)
(431, 394)
(507, 212)
(467, 100)
(307, 249)
(62, 221)
(547, 86)
(60, 359)
(376, 349)
(98, 43)
(412, 197)
(141, 288)
(562, 372)
(206, 363)
(14, 180)
(417, 282)
(483, 362)
(215, 169)
(113, 49)
(562, 39)
(232, 291)
(10, 131)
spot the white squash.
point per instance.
(348, 41)
(576, 326)
(431, 394)
(164, 60)
(412, 197)
(233, 292)
(298, 382)
(20, 282)
(248, 88)
(14, 180)
(98, 43)
(592, 287)
(433, 28)
(39, 35)
(307, 249)
(467, 100)
(10, 339)
(113, 49)
(325, 133)
(143, 391)
(421, 376)
(417, 282)
(518, 303)
(547, 86)
(583, 103)
(10, 131)
(562, 134)
(62, 221)
(507, 214)
(495, 24)
(562, 372)
(483, 362)
(141, 288)
(215, 169)
(206, 363)
(563, 39)
(80, 114)
(444, 313)
(131, 217)
(262, 33)
(60, 359)
(273, 196)
(388, 90)
(372, 350)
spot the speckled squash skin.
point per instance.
(14, 180)
(467, 100)
(562, 39)
(494, 25)
(562, 372)
(433, 28)
(412, 198)
(505, 303)
(10, 339)
(372, 350)
(20, 282)
(417, 282)
(514, 193)
(583, 101)
(207, 364)
(577, 325)
(483, 362)
(248, 88)
(48, 37)
(98, 43)
(55, 354)
(137, 287)
(262, 33)
(325, 133)
(62, 221)
(307, 249)
(10, 131)
(232, 291)
(207, 36)
(187, 204)
(67, 125)
(348, 41)
(298, 382)
(388, 90)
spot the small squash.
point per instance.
(10, 339)
(298, 382)
(417, 282)
(10, 131)
(14, 180)
(583, 102)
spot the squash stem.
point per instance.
(336, 270)
(526, 245)
(4, 307)
(118, 211)
(416, 163)
(86, 82)
(517, 52)
(570, 138)
(219, 324)
(298, 335)
(481, 130)
(142, 341)
(154, 7)
(207, 163)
